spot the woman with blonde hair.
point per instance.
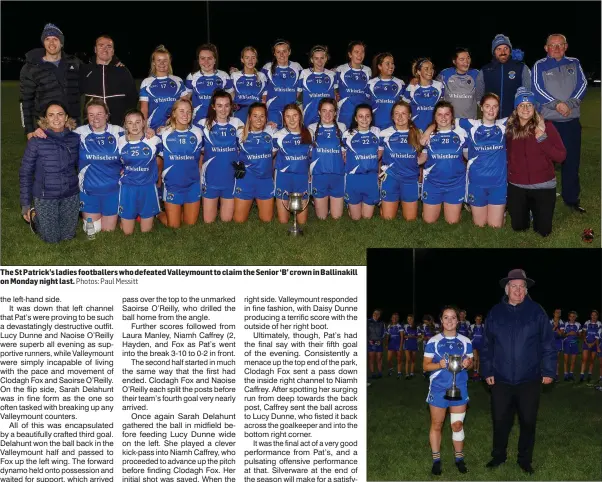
(249, 84)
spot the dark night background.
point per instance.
(469, 278)
(406, 29)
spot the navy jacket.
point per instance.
(518, 344)
(49, 167)
(504, 80)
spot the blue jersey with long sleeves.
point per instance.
(139, 160)
(327, 151)
(181, 155)
(99, 160)
(422, 99)
(487, 164)
(248, 88)
(221, 150)
(315, 86)
(383, 94)
(256, 151)
(444, 163)
(282, 85)
(292, 155)
(201, 86)
(399, 155)
(441, 347)
(362, 150)
(161, 93)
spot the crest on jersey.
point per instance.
(374, 140)
(512, 74)
(192, 139)
(232, 131)
(570, 71)
(456, 140)
(111, 140)
(172, 84)
(469, 81)
(170, 196)
(266, 138)
(424, 194)
(146, 151)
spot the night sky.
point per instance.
(406, 29)
(468, 278)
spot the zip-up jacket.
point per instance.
(376, 330)
(115, 85)
(49, 167)
(41, 82)
(531, 161)
(518, 345)
(503, 80)
(557, 81)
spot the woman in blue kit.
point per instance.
(410, 344)
(315, 84)
(142, 162)
(293, 144)
(221, 134)
(558, 329)
(590, 344)
(385, 89)
(570, 346)
(362, 158)
(402, 157)
(249, 84)
(394, 334)
(352, 81)
(436, 356)
(257, 154)
(424, 95)
(477, 331)
(327, 167)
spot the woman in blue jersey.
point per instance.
(444, 181)
(221, 133)
(401, 159)
(182, 143)
(327, 168)
(159, 91)
(428, 330)
(362, 158)
(249, 85)
(436, 356)
(590, 344)
(283, 81)
(293, 144)
(424, 95)
(201, 84)
(385, 90)
(410, 344)
(570, 345)
(477, 332)
(394, 334)
(558, 329)
(256, 154)
(352, 81)
(142, 163)
(315, 83)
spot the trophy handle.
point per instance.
(282, 200)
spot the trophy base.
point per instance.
(295, 231)
(453, 395)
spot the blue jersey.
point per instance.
(292, 155)
(282, 85)
(440, 347)
(591, 330)
(248, 88)
(487, 164)
(429, 331)
(394, 332)
(444, 163)
(352, 84)
(362, 150)
(570, 327)
(160, 93)
(327, 151)
(477, 332)
(139, 160)
(257, 152)
(181, 155)
(201, 86)
(559, 330)
(221, 150)
(383, 94)
(99, 161)
(315, 86)
(399, 155)
(423, 100)
(464, 328)
(411, 331)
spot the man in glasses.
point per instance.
(518, 355)
(560, 85)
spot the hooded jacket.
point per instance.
(115, 85)
(518, 343)
(41, 82)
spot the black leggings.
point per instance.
(540, 202)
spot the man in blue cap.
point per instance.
(503, 75)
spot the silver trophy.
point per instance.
(295, 206)
(454, 365)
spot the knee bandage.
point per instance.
(457, 417)
(97, 226)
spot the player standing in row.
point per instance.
(424, 95)
(558, 329)
(385, 90)
(410, 345)
(394, 334)
(315, 84)
(590, 330)
(463, 324)
(283, 80)
(571, 344)
(362, 160)
(249, 85)
(477, 330)
(327, 168)
(376, 335)
(428, 330)
(221, 133)
(459, 84)
(351, 81)
(400, 164)
(159, 91)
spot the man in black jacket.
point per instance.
(106, 78)
(48, 74)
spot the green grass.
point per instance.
(567, 443)
(341, 242)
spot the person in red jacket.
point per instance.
(533, 146)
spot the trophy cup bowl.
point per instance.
(295, 206)
(454, 365)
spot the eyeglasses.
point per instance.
(556, 46)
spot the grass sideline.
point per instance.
(567, 444)
(341, 242)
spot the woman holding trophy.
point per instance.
(448, 356)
